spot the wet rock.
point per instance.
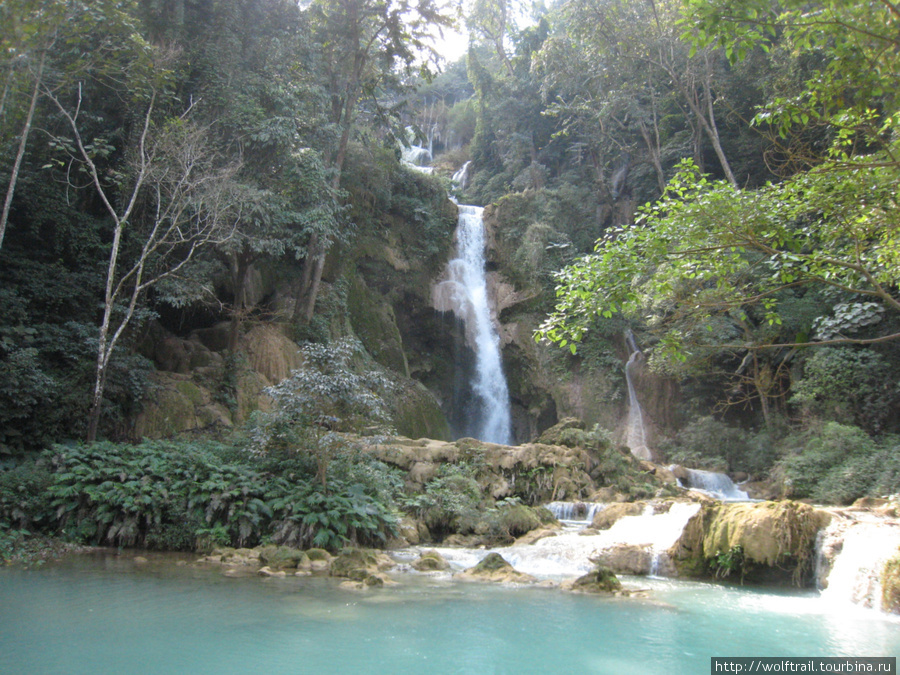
(496, 569)
(269, 572)
(606, 518)
(625, 559)
(358, 564)
(536, 535)
(773, 541)
(430, 561)
(601, 581)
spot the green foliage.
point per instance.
(192, 495)
(710, 444)
(850, 386)
(331, 394)
(834, 463)
(730, 562)
(451, 502)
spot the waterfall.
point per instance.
(572, 553)
(581, 513)
(716, 485)
(851, 555)
(461, 177)
(464, 292)
(415, 156)
(635, 433)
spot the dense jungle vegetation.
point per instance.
(720, 178)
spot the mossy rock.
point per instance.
(518, 519)
(374, 323)
(416, 413)
(430, 561)
(319, 554)
(890, 585)
(563, 432)
(601, 581)
(493, 567)
(359, 563)
(762, 541)
(283, 557)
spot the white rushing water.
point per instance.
(851, 558)
(464, 292)
(461, 177)
(571, 553)
(635, 432)
(716, 485)
(577, 513)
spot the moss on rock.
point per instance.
(493, 567)
(601, 581)
(764, 541)
(890, 585)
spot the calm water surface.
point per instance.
(105, 614)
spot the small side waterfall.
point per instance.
(851, 556)
(464, 292)
(716, 485)
(461, 177)
(635, 433)
(580, 513)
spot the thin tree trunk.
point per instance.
(20, 153)
(240, 270)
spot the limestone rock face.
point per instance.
(496, 569)
(771, 539)
(890, 585)
(539, 472)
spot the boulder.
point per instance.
(496, 569)
(358, 564)
(625, 559)
(764, 540)
(283, 557)
(430, 561)
(605, 519)
(601, 581)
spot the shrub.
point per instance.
(832, 463)
(181, 496)
(850, 386)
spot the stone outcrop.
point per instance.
(357, 564)
(605, 519)
(496, 569)
(535, 472)
(430, 561)
(759, 541)
(601, 581)
(626, 559)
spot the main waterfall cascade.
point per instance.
(635, 432)
(464, 292)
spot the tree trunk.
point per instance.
(20, 153)
(240, 268)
